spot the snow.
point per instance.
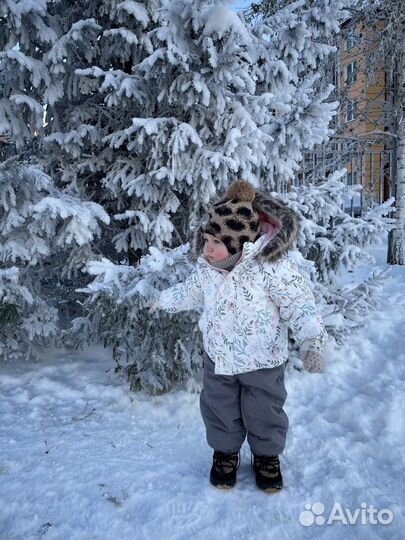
(222, 20)
(20, 99)
(82, 457)
(38, 70)
(136, 9)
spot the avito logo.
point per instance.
(365, 515)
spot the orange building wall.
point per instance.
(369, 97)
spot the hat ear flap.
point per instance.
(277, 211)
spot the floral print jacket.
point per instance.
(246, 313)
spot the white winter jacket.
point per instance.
(246, 313)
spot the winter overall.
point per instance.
(233, 406)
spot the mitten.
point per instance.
(311, 353)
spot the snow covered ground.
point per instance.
(82, 458)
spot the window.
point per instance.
(351, 72)
(351, 39)
(351, 110)
(351, 178)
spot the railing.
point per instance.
(372, 168)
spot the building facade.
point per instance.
(364, 112)
(362, 143)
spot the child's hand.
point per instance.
(311, 353)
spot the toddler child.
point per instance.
(250, 293)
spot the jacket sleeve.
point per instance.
(291, 292)
(183, 296)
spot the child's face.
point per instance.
(214, 250)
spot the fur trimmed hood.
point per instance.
(274, 216)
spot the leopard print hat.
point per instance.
(233, 219)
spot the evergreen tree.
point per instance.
(195, 133)
(231, 101)
(25, 36)
(291, 45)
(43, 232)
(170, 103)
(332, 242)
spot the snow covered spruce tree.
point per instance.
(94, 95)
(292, 43)
(332, 242)
(68, 108)
(192, 134)
(25, 36)
(172, 102)
(86, 95)
(230, 101)
(43, 233)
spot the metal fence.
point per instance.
(372, 168)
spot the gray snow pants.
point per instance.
(233, 406)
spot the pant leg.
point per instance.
(263, 395)
(220, 410)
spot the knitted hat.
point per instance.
(233, 219)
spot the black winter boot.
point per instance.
(223, 471)
(268, 474)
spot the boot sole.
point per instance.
(271, 491)
(223, 486)
(275, 488)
